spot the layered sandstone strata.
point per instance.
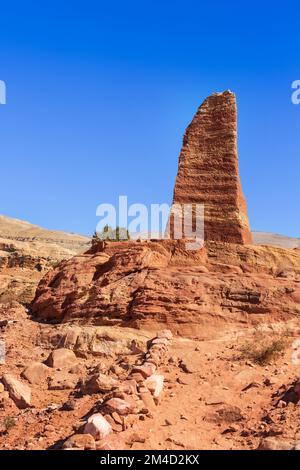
(151, 284)
(208, 171)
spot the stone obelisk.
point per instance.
(208, 171)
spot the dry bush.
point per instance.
(9, 422)
(265, 347)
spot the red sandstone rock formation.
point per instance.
(146, 284)
(208, 171)
(151, 284)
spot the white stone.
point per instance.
(155, 383)
(97, 426)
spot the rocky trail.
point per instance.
(211, 398)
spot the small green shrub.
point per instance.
(113, 235)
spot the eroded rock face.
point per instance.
(151, 284)
(147, 284)
(208, 171)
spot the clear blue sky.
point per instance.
(99, 94)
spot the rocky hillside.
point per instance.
(273, 239)
(55, 242)
(27, 252)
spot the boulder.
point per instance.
(18, 392)
(292, 395)
(118, 405)
(99, 383)
(155, 384)
(63, 380)
(69, 405)
(273, 443)
(61, 358)
(80, 441)
(36, 372)
(97, 426)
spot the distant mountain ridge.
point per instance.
(273, 239)
(19, 230)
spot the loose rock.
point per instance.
(99, 383)
(61, 358)
(36, 372)
(97, 426)
(273, 443)
(122, 407)
(155, 384)
(80, 441)
(18, 392)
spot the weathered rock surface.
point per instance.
(61, 357)
(80, 441)
(19, 392)
(36, 372)
(151, 284)
(94, 340)
(147, 284)
(208, 171)
(274, 443)
(97, 426)
(98, 383)
(62, 380)
(118, 405)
